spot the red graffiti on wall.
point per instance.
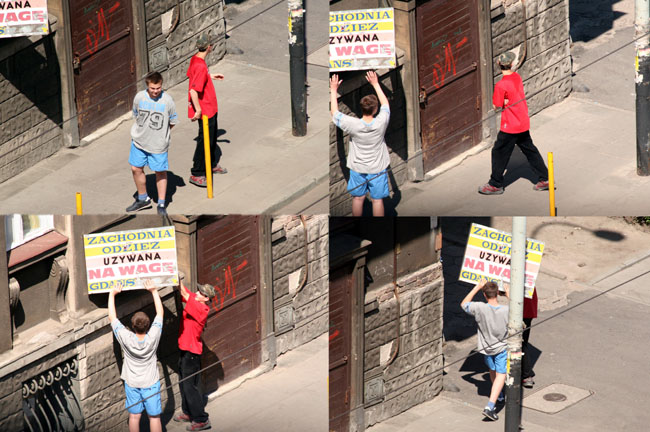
(227, 288)
(100, 30)
(446, 65)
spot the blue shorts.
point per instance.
(360, 184)
(157, 161)
(136, 395)
(497, 362)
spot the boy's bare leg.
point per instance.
(161, 184)
(357, 205)
(139, 179)
(154, 424)
(378, 207)
(497, 385)
(134, 422)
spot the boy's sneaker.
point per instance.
(488, 189)
(139, 205)
(161, 210)
(199, 181)
(489, 413)
(196, 426)
(182, 417)
(528, 382)
(541, 186)
(219, 170)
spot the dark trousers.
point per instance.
(526, 364)
(191, 395)
(198, 168)
(502, 151)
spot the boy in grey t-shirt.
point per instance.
(492, 320)
(155, 115)
(368, 154)
(140, 368)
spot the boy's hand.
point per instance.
(197, 115)
(117, 288)
(217, 76)
(481, 283)
(371, 76)
(150, 286)
(335, 83)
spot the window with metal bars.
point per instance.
(50, 402)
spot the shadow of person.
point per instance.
(222, 132)
(173, 182)
(476, 368)
(518, 167)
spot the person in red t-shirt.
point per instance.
(195, 315)
(515, 124)
(530, 312)
(202, 100)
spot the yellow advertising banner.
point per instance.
(487, 255)
(131, 257)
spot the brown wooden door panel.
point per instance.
(448, 59)
(103, 43)
(228, 259)
(340, 346)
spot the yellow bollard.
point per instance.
(206, 150)
(79, 210)
(551, 184)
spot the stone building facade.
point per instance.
(68, 360)
(53, 89)
(429, 131)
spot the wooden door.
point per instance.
(340, 347)
(104, 61)
(228, 259)
(449, 78)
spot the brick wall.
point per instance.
(171, 52)
(300, 312)
(350, 96)
(30, 107)
(415, 375)
(548, 61)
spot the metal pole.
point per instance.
(79, 207)
(551, 184)
(515, 324)
(206, 150)
(642, 80)
(297, 68)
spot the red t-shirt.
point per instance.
(201, 82)
(195, 316)
(530, 306)
(514, 118)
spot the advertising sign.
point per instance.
(362, 39)
(487, 255)
(130, 257)
(23, 18)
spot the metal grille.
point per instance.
(49, 402)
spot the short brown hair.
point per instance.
(153, 78)
(369, 104)
(140, 322)
(490, 289)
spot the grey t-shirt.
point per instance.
(139, 368)
(151, 131)
(492, 326)
(368, 153)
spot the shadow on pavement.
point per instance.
(173, 182)
(589, 19)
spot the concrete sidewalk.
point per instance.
(267, 166)
(291, 397)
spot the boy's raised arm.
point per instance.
(112, 314)
(334, 88)
(468, 298)
(374, 82)
(153, 289)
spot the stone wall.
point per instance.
(415, 374)
(300, 308)
(354, 88)
(548, 60)
(171, 46)
(30, 104)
